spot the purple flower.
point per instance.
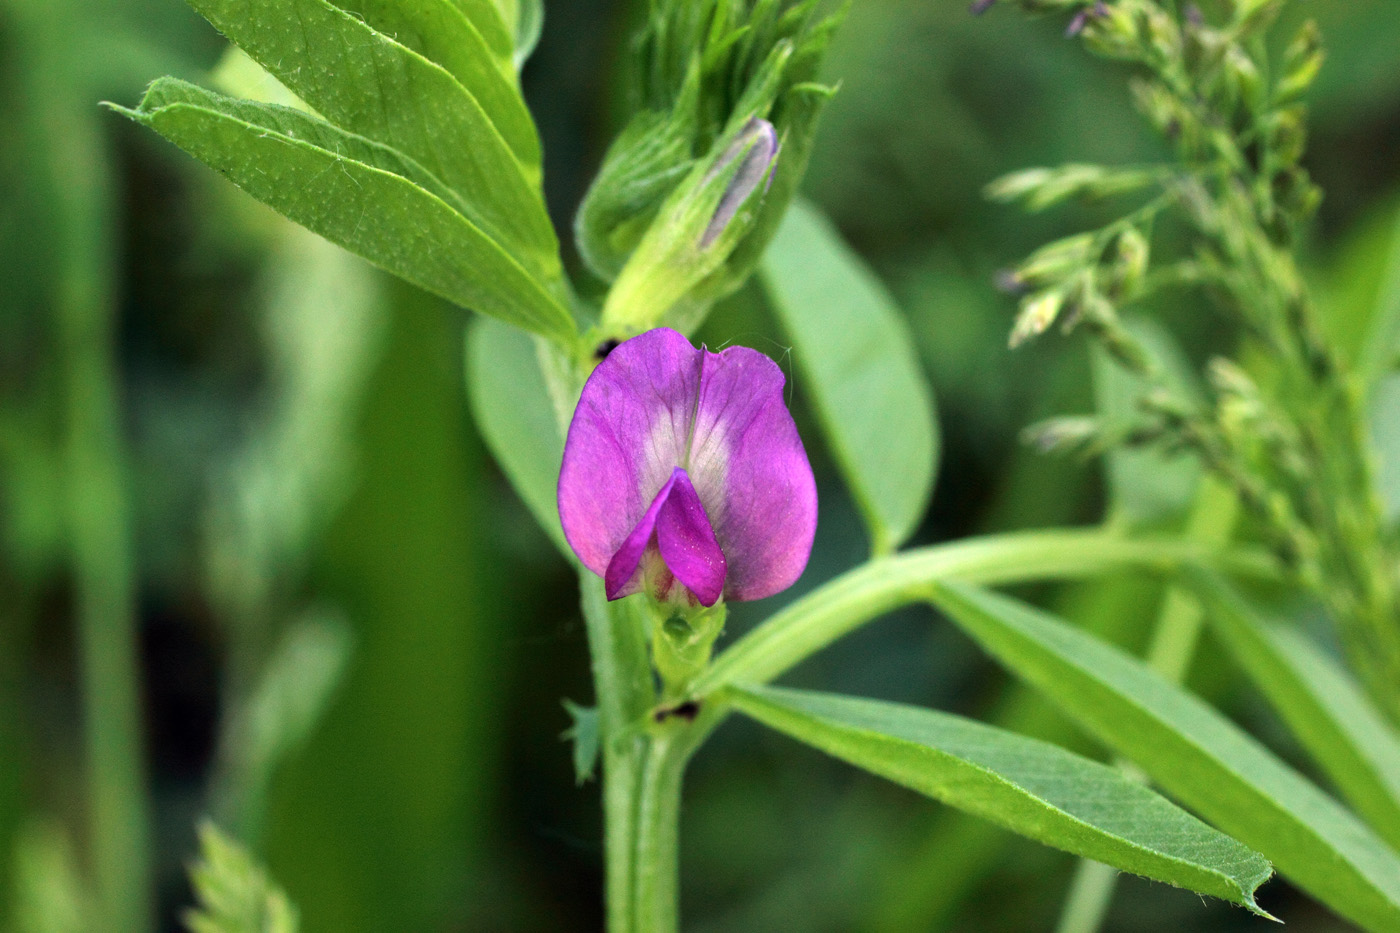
(684, 475)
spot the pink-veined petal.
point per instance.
(628, 433)
(687, 542)
(623, 576)
(751, 472)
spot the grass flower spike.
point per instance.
(683, 474)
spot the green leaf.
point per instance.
(489, 18)
(584, 734)
(365, 197)
(853, 349)
(1193, 752)
(1321, 703)
(1025, 785)
(439, 31)
(366, 83)
(529, 26)
(512, 407)
(235, 895)
(292, 693)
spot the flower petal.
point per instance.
(629, 432)
(751, 472)
(623, 576)
(687, 542)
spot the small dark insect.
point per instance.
(687, 711)
(606, 347)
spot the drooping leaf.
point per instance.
(440, 32)
(234, 893)
(368, 84)
(365, 197)
(1192, 752)
(1321, 703)
(1028, 786)
(861, 372)
(512, 408)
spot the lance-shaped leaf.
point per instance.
(368, 84)
(511, 404)
(861, 372)
(368, 198)
(1323, 706)
(1192, 752)
(440, 32)
(1028, 786)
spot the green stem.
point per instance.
(78, 188)
(1174, 643)
(880, 586)
(623, 688)
(657, 891)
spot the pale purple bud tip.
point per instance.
(684, 475)
(757, 145)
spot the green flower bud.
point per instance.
(1301, 62)
(706, 71)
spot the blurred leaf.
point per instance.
(294, 690)
(369, 85)
(529, 25)
(1028, 786)
(234, 893)
(1380, 352)
(1385, 434)
(1319, 701)
(584, 734)
(324, 324)
(363, 196)
(853, 347)
(1193, 752)
(48, 891)
(512, 407)
(379, 822)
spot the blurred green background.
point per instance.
(353, 643)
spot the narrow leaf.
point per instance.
(511, 404)
(1025, 785)
(368, 84)
(1193, 752)
(440, 32)
(1323, 706)
(351, 192)
(860, 369)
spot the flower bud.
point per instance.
(1301, 62)
(1038, 312)
(695, 230)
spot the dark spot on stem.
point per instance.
(687, 710)
(606, 347)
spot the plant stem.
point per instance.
(622, 684)
(1174, 642)
(78, 189)
(843, 605)
(657, 891)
